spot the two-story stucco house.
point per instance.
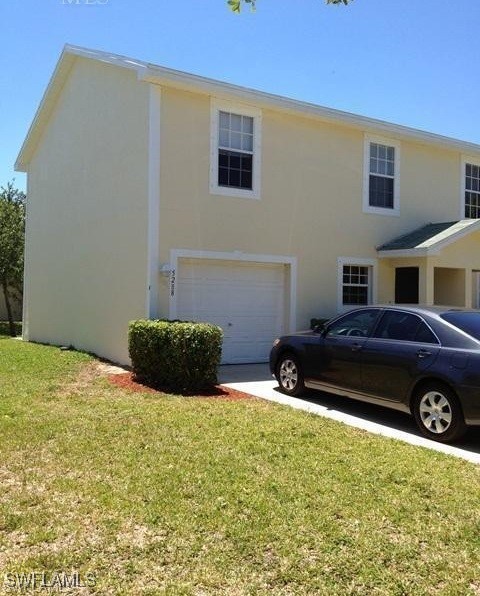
(155, 193)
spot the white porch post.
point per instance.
(429, 277)
(468, 288)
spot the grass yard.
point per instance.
(157, 494)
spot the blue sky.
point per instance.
(409, 62)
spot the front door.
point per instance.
(406, 285)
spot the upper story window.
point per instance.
(472, 191)
(235, 150)
(381, 176)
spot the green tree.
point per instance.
(12, 240)
(236, 5)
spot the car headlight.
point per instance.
(276, 342)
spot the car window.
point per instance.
(355, 324)
(425, 335)
(403, 326)
(468, 321)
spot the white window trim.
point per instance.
(463, 174)
(372, 294)
(217, 106)
(368, 139)
(154, 136)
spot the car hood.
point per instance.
(307, 332)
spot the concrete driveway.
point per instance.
(255, 379)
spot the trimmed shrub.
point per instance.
(175, 355)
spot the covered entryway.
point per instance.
(436, 264)
(247, 300)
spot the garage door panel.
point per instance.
(247, 300)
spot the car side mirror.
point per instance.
(320, 329)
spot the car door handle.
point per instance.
(423, 353)
(356, 347)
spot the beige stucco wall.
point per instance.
(86, 251)
(91, 185)
(311, 198)
(449, 286)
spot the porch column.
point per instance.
(427, 288)
(468, 288)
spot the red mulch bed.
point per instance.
(125, 381)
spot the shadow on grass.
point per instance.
(384, 416)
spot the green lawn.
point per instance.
(160, 494)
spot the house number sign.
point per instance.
(172, 282)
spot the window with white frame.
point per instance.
(381, 185)
(356, 285)
(235, 150)
(472, 191)
(357, 282)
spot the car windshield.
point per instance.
(466, 321)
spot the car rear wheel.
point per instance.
(438, 413)
(289, 375)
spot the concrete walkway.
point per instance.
(255, 379)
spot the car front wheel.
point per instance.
(438, 413)
(289, 375)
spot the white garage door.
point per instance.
(247, 300)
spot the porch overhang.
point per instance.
(428, 240)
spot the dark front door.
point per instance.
(406, 285)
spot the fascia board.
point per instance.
(197, 84)
(44, 110)
(406, 253)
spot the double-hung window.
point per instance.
(472, 191)
(235, 150)
(355, 285)
(356, 282)
(381, 176)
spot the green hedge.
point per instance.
(5, 328)
(175, 355)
